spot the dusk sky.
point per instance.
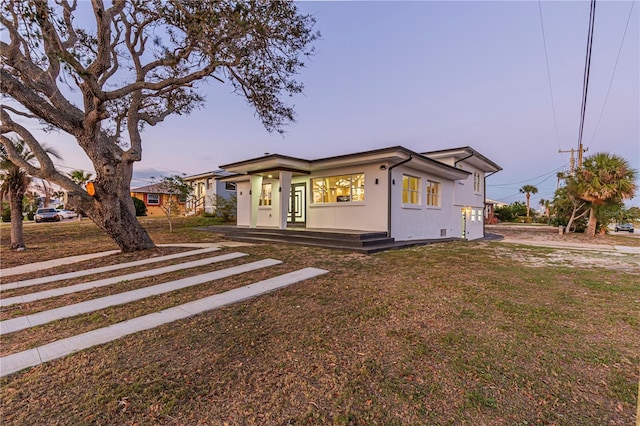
(428, 76)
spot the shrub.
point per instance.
(6, 214)
(141, 208)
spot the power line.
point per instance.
(530, 179)
(614, 72)
(546, 56)
(585, 79)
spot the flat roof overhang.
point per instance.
(271, 164)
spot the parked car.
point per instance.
(624, 227)
(67, 214)
(47, 215)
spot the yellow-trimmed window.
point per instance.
(410, 190)
(265, 195)
(433, 193)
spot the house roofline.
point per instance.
(467, 150)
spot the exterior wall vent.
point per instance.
(443, 232)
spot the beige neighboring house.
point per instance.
(206, 187)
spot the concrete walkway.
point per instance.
(60, 348)
(31, 297)
(42, 280)
(44, 317)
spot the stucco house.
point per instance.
(407, 195)
(155, 196)
(206, 187)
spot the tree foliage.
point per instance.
(604, 181)
(135, 63)
(528, 190)
(177, 191)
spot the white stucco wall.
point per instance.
(411, 222)
(244, 203)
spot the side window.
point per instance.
(410, 190)
(265, 195)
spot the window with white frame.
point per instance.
(410, 190)
(477, 186)
(209, 183)
(265, 195)
(229, 186)
(433, 193)
(153, 199)
(338, 189)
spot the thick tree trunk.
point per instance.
(112, 208)
(15, 204)
(593, 222)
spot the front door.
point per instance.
(298, 204)
(464, 223)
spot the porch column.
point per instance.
(256, 189)
(284, 192)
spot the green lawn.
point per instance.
(457, 333)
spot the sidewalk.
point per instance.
(573, 246)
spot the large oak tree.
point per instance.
(134, 63)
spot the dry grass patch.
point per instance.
(454, 333)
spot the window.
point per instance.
(338, 189)
(153, 199)
(473, 215)
(410, 190)
(229, 186)
(209, 183)
(433, 193)
(265, 195)
(477, 187)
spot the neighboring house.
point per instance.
(408, 195)
(206, 187)
(490, 210)
(155, 196)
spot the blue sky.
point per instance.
(427, 76)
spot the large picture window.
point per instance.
(410, 190)
(433, 193)
(338, 189)
(265, 195)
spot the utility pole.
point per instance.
(572, 159)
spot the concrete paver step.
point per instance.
(76, 274)
(15, 362)
(32, 297)
(20, 323)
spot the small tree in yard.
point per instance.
(100, 77)
(177, 191)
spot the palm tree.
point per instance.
(528, 190)
(80, 177)
(604, 179)
(14, 183)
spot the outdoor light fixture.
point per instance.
(383, 167)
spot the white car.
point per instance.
(67, 214)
